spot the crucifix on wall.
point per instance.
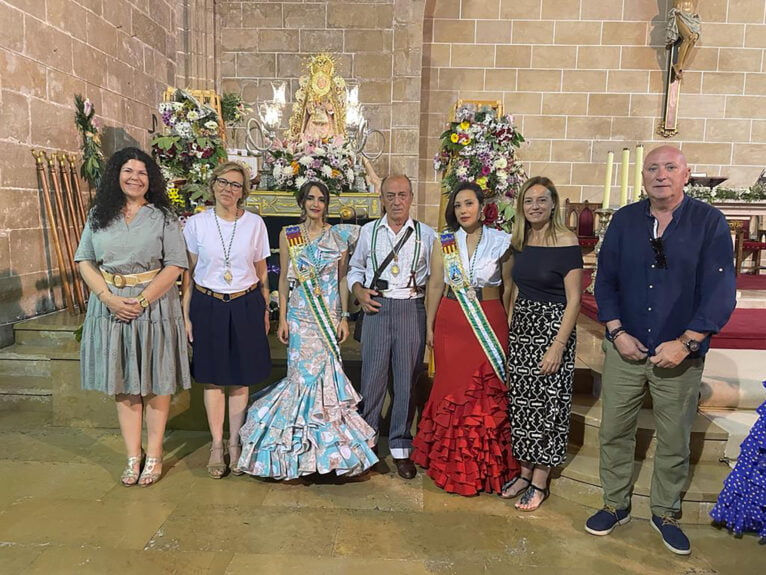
(681, 34)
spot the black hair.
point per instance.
(110, 199)
(303, 193)
(449, 214)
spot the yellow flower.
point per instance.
(453, 138)
(464, 125)
(482, 182)
(466, 141)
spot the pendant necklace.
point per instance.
(227, 276)
(395, 269)
(472, 264)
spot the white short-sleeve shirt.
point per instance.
(250, 245)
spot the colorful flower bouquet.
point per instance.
(292, 164)
(189, 150)
(480, 147)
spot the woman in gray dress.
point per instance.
(133, 340)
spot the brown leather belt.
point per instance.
(225, 297)
(129, 280)
(482, 294)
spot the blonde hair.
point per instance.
(521, 226)
(232, 167)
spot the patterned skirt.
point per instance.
(741, 504)
(538, 405)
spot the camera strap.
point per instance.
(395, 250)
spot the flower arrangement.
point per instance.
(481, 147)
(294, 163)
(92, 157)
(233, 109)
(755, 193)
(189, 150)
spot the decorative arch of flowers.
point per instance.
(481, 147)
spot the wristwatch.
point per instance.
(142, 301)
(691, 344)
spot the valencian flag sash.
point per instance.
(307, 277)
(466, 296)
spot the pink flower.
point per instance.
(87, 107)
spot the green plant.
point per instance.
(233, 109)
(92, 167)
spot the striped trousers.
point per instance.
(393, 338)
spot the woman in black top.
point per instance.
(547, 283)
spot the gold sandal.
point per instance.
(152, 471)
(216, 467)
(235, 450)
(130, 474)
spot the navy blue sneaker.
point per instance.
(603, 522)
(672, 536)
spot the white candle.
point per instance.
(608, 180)
(624, 176)
(637, 174)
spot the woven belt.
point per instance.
(129, 280)
(226, 297)
(482, 294)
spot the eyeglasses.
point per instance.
(223, 182)
(660, 260)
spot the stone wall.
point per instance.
(119, 53)
(582, 77)
(377, 42)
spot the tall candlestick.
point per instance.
(637, 174)
(608, 180)
(624, 176)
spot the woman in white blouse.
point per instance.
(464, 436)
(224, 305)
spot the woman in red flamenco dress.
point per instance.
(464, 437)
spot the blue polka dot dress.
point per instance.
(741, 504)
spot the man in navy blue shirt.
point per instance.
(665, 284)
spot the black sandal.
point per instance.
(510, 484)
(529, 494)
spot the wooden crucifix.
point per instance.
(681, 34)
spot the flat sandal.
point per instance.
(510, 484)
(529, 494)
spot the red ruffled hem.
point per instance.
(466, 448)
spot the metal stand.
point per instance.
(604, 215)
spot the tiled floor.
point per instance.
(63, 511)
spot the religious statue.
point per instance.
(683, 29)
(319, 111)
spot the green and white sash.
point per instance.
(466, 296)
(307, 277)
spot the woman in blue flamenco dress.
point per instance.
(308, 422)
(742, 502)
